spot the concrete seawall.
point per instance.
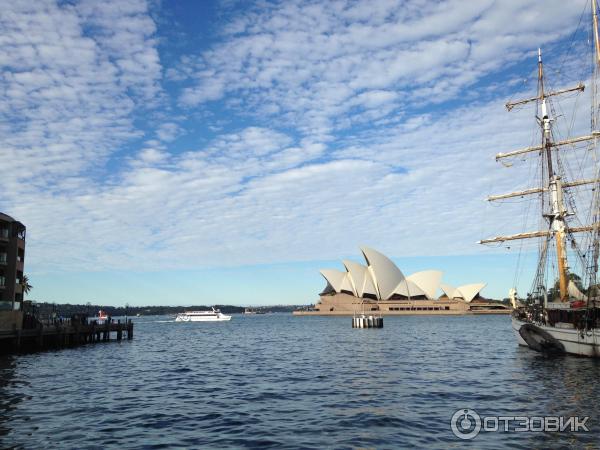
(403, 313)
(343, 304)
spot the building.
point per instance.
(380, 286)
(12, 260)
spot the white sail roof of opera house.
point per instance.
(387, 276)
(361, 279)
(339, 280)
(382, 279)
(428, 280)
(466, 292)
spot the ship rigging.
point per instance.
(566, 317)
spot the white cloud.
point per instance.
(152, 156)
(308, 63)
(67, 73)
(168, 131)
(331, 131)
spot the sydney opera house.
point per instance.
(380, 286)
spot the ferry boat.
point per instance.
(561, 313)
(214, 315)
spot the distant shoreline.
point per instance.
(67, 310)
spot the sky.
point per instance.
(184, 152)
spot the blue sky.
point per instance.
(223, 152)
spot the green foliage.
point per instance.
(554, 292)
(25, 283)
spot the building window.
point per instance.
(447, 308)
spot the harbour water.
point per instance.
(294, 382)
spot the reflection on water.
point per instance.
(7, 401)
(283, 381)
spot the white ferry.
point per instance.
(202, 316)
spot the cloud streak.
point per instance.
(303, 130)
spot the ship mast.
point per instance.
(557, 217)
(595, 247)
(595, 25)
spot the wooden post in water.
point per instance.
(119, 330)
(18, 340)
(40, 337)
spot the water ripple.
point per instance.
(278, 381)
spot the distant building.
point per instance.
(381, 286)
(12, 260)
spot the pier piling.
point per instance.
(59, 335)
(367, 322)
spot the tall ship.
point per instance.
(561, 312)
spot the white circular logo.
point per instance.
(465, 424)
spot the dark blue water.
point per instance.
(293, 382)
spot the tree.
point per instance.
(555, 291)
(25, 284)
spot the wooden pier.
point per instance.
(63, 334)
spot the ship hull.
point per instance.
(575, 342)
(204, 319)
(218, 317)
